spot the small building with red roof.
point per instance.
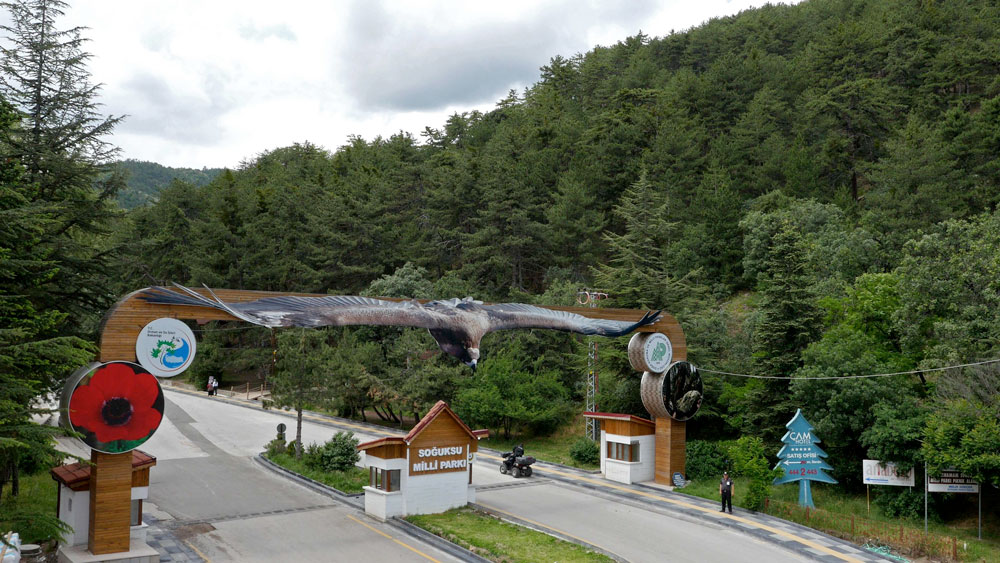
(425, 472)
(627, 447)
(74, 498)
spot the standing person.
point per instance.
(726, 491)
(211, 385)
(215, 386)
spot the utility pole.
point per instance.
(590, 298)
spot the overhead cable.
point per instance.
(867, 376)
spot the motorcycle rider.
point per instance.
(510, 458)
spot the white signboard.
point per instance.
(658, 352)
(165, 347)
(875, 474)
(952, 481)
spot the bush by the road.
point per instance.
(585, 451)
(337, 454)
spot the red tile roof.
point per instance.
(77, 475)
(617, 416)
(436, 410)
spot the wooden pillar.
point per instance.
(110, 502)
(671, 440)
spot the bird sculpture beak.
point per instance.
(472, 365)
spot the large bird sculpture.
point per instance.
(457, 325)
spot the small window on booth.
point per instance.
(383, 479)
(623, 452)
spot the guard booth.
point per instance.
(627, 447)
(425, 472)
(74, 507)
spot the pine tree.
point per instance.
(34, 356)
(789, 321)
(60, 142)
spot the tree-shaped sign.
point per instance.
(801, 459)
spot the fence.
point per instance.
(860, 530)
(250, 390)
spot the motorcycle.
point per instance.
(516, 465)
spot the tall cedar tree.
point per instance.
(43, 75)
(31, 355)
(789, 321)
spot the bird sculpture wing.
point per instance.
(333, 310)
(518, 315)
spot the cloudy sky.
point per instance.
(213, 83)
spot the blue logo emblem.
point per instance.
(171, 354)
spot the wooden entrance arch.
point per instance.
(110, 492)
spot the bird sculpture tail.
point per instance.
(649, 318)
(166, 296)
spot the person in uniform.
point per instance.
(726, 491)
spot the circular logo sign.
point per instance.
(682, 391)
(117, 406)
(657, 352)
(165, 347)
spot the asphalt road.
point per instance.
(228, 508)
(209, 491)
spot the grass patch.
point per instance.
(846, 515)
(554, 448)
(496, 540)
(350, 481)
(38, 495)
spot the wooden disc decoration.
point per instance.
(675, 393)
(650, 351)
(117, 406)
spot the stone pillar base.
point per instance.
(139, 553)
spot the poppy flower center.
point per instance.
(116, 411)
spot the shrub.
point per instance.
(705, 460)
(338, 453)
(585, 451)
(275, 447)
(750, 461)
(902, 502)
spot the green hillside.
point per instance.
(811, 190)
(144, 180)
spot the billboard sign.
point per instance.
(874, 473)
(952, 481)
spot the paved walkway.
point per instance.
(805, 541)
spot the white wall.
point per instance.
(74, 509)
(430, 494)
(626, 471)
(383, 505)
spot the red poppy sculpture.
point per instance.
(118, 406)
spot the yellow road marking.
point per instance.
(198, 551)
(381, 533)
(710, 511)
(609, 485)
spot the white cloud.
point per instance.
(215, 83)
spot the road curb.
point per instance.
(548, 531)
(444, 545)
(355, 500)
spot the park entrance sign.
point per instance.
(801, 459)
(120, 331)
